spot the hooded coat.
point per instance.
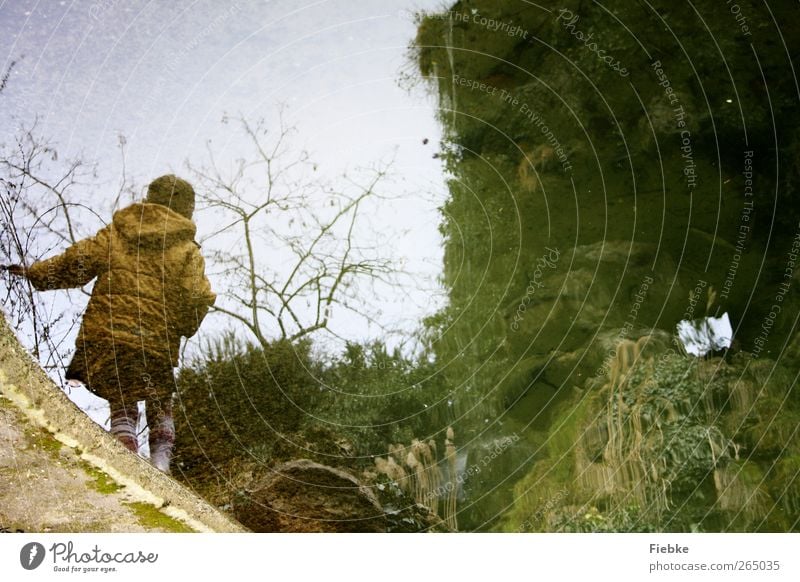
(151, 289)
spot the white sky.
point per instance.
(707, 334)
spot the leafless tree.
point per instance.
(36, 216)
(41, 213)
(286, 244)
(288, 247)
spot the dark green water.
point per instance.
(617, 168)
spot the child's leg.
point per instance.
(124, 418)
(162, 432)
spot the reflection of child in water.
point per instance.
(151, 289)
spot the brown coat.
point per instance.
(151, 287)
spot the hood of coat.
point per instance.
(152, 225)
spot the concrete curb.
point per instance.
(32, 392)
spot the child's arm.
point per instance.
(75, 267)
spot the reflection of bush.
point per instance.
(238, 401)
(375, 397)
(241, 407)
(418, 471)
(671, 443)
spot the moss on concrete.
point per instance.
(151, 517)
(44, 441)
(101, 482)
(46, 466)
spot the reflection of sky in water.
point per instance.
(163, 74)
(705, 335)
